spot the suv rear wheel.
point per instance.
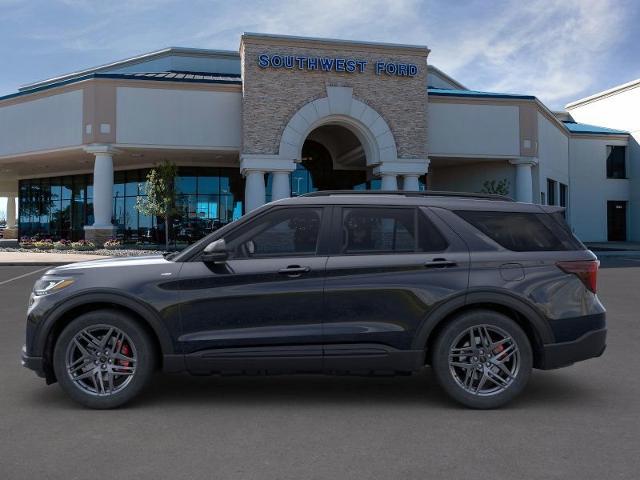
(103, 359)
(482, 359)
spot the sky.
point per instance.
(558, 50)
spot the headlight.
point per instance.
(45, 286)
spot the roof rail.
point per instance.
(426, 193)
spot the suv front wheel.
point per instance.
(103, 359)
(482, 359)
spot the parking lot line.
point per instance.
(24, 275)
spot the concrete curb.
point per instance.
(618, 253)
(32, 264)
(44, 259)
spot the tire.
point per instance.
(106, 376)
(463, 378)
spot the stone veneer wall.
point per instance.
(271, 96)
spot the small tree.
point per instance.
(160, 193)
(500, 187)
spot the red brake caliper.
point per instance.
(125, 350)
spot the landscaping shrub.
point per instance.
(46, 244)
(62, 245)
(112, 244)
(83, 245)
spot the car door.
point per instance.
(388, 268)
(261, 308)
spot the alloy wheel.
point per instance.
(484, 360)
(101, 360)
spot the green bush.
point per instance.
(62, 245)
(43, 244)
(83, 245)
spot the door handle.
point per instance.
(294, 270)
(440, 263)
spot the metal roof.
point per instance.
(176, 75)
(475, 93)
(187, 77)
(145, 57)
(605, 93)
(575, 127)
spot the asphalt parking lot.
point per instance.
(579, 422)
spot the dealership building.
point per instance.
(288, 115)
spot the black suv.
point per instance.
(480, 288)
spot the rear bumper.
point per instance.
(32, 363)
(590, 345)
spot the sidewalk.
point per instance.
(32, 258)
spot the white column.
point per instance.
(254, 193)
(11, 211)
(103, 189)
(410, 183)
(280, 187)
(524, 178)
(389, 182)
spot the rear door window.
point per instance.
(388, 230)
(522, 231)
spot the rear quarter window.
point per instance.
(522, 231)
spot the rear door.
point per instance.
(388, 267)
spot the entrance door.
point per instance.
(261, 309)
(617, 221)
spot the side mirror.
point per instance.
(215, 251)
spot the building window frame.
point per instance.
(616, 164)
(551, 191)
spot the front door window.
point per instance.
(285, 232)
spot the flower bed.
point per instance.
(112, 244)
(112, 247)
(83, 245)
(62, 245)
(43, 244)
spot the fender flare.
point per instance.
(118, 299)
(503, 298)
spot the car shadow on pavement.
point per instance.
(179, 390)
(544, 389)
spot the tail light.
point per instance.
(585, 270)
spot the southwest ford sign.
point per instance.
(331, 64)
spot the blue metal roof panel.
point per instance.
(185, 77)
(575, 127)
(444, 92)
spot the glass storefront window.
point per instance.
(186, 184)
(208, 185)
(67, 188)
(60, 207)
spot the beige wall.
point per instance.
(272, 96)
(590, 189)
(460, 129)
(169, 117)
(470, 177)
(619, 110)
(44, 123)
(553, 156)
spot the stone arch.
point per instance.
(340, 108)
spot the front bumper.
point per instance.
(32, 363)
(590, 345)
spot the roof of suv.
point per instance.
(449, 200)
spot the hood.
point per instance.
(112, 262)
